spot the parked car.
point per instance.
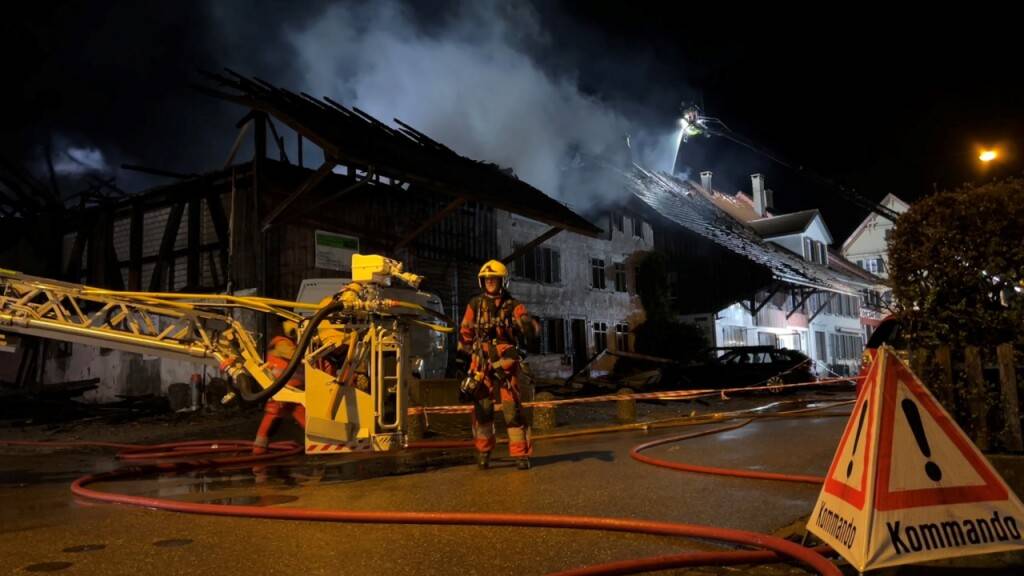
(748, 366)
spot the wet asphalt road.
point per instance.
(45, 529)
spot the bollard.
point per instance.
(213, 392)
(197, 385)
(544, 416)
(179, 396)
(415, 425)
(626, 407)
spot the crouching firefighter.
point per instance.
(282, 348)
(491, 329)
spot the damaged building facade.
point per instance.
(581, 289)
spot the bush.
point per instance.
(957, 266)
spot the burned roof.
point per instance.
(680, 202)
(353, 137)
(785, 224)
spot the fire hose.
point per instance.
(244, 384)
(773, 549)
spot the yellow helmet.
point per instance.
(493, 269)
(290, 329)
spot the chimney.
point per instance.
(758, 195)
(705, 180)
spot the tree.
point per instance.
(957, 266)
(662, 335)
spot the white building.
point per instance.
(868, 248)
(868, 245)
(808, 304)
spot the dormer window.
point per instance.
(815, 251)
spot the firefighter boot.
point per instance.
(523, 463)
(483, 460)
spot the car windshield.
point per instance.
(888, 332)
(737, 357)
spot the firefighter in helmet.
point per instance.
(282, 348)
(492, 327)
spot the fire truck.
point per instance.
(353, 345)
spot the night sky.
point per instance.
(876, 102)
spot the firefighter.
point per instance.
(492, 327)
(282, 348)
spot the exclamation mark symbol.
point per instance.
(914, 419)
(856, 438)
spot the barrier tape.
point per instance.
(666, 395)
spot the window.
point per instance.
(622, 337)
(733, 336)
(846, 347)
(600, 336)
(535, 345)
(888, 233)
(617, 221)
(597, 273)
(820, 351)
(540, 264)
(820, 301)
(860, 264)
(819, 252)
(620, 277)
(767, 339)
(808, 249)
(554, 336)
(880, 265)
(638, 226)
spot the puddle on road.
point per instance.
(261, 500)
(172, 543)
(84, 548)
(47, 566)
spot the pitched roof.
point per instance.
(353, 137)
(681, 202)
(890, 200)
(785, 224)
(739, 205)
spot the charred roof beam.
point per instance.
(311, 182)
(531, 245)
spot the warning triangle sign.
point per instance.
(907, 485)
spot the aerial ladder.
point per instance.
(357, 402)
(693, 122)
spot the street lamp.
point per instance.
(987, 156)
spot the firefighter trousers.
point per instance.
(273, 413)
(507, 392)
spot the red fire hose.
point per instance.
(773, 549)
(683, 467)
